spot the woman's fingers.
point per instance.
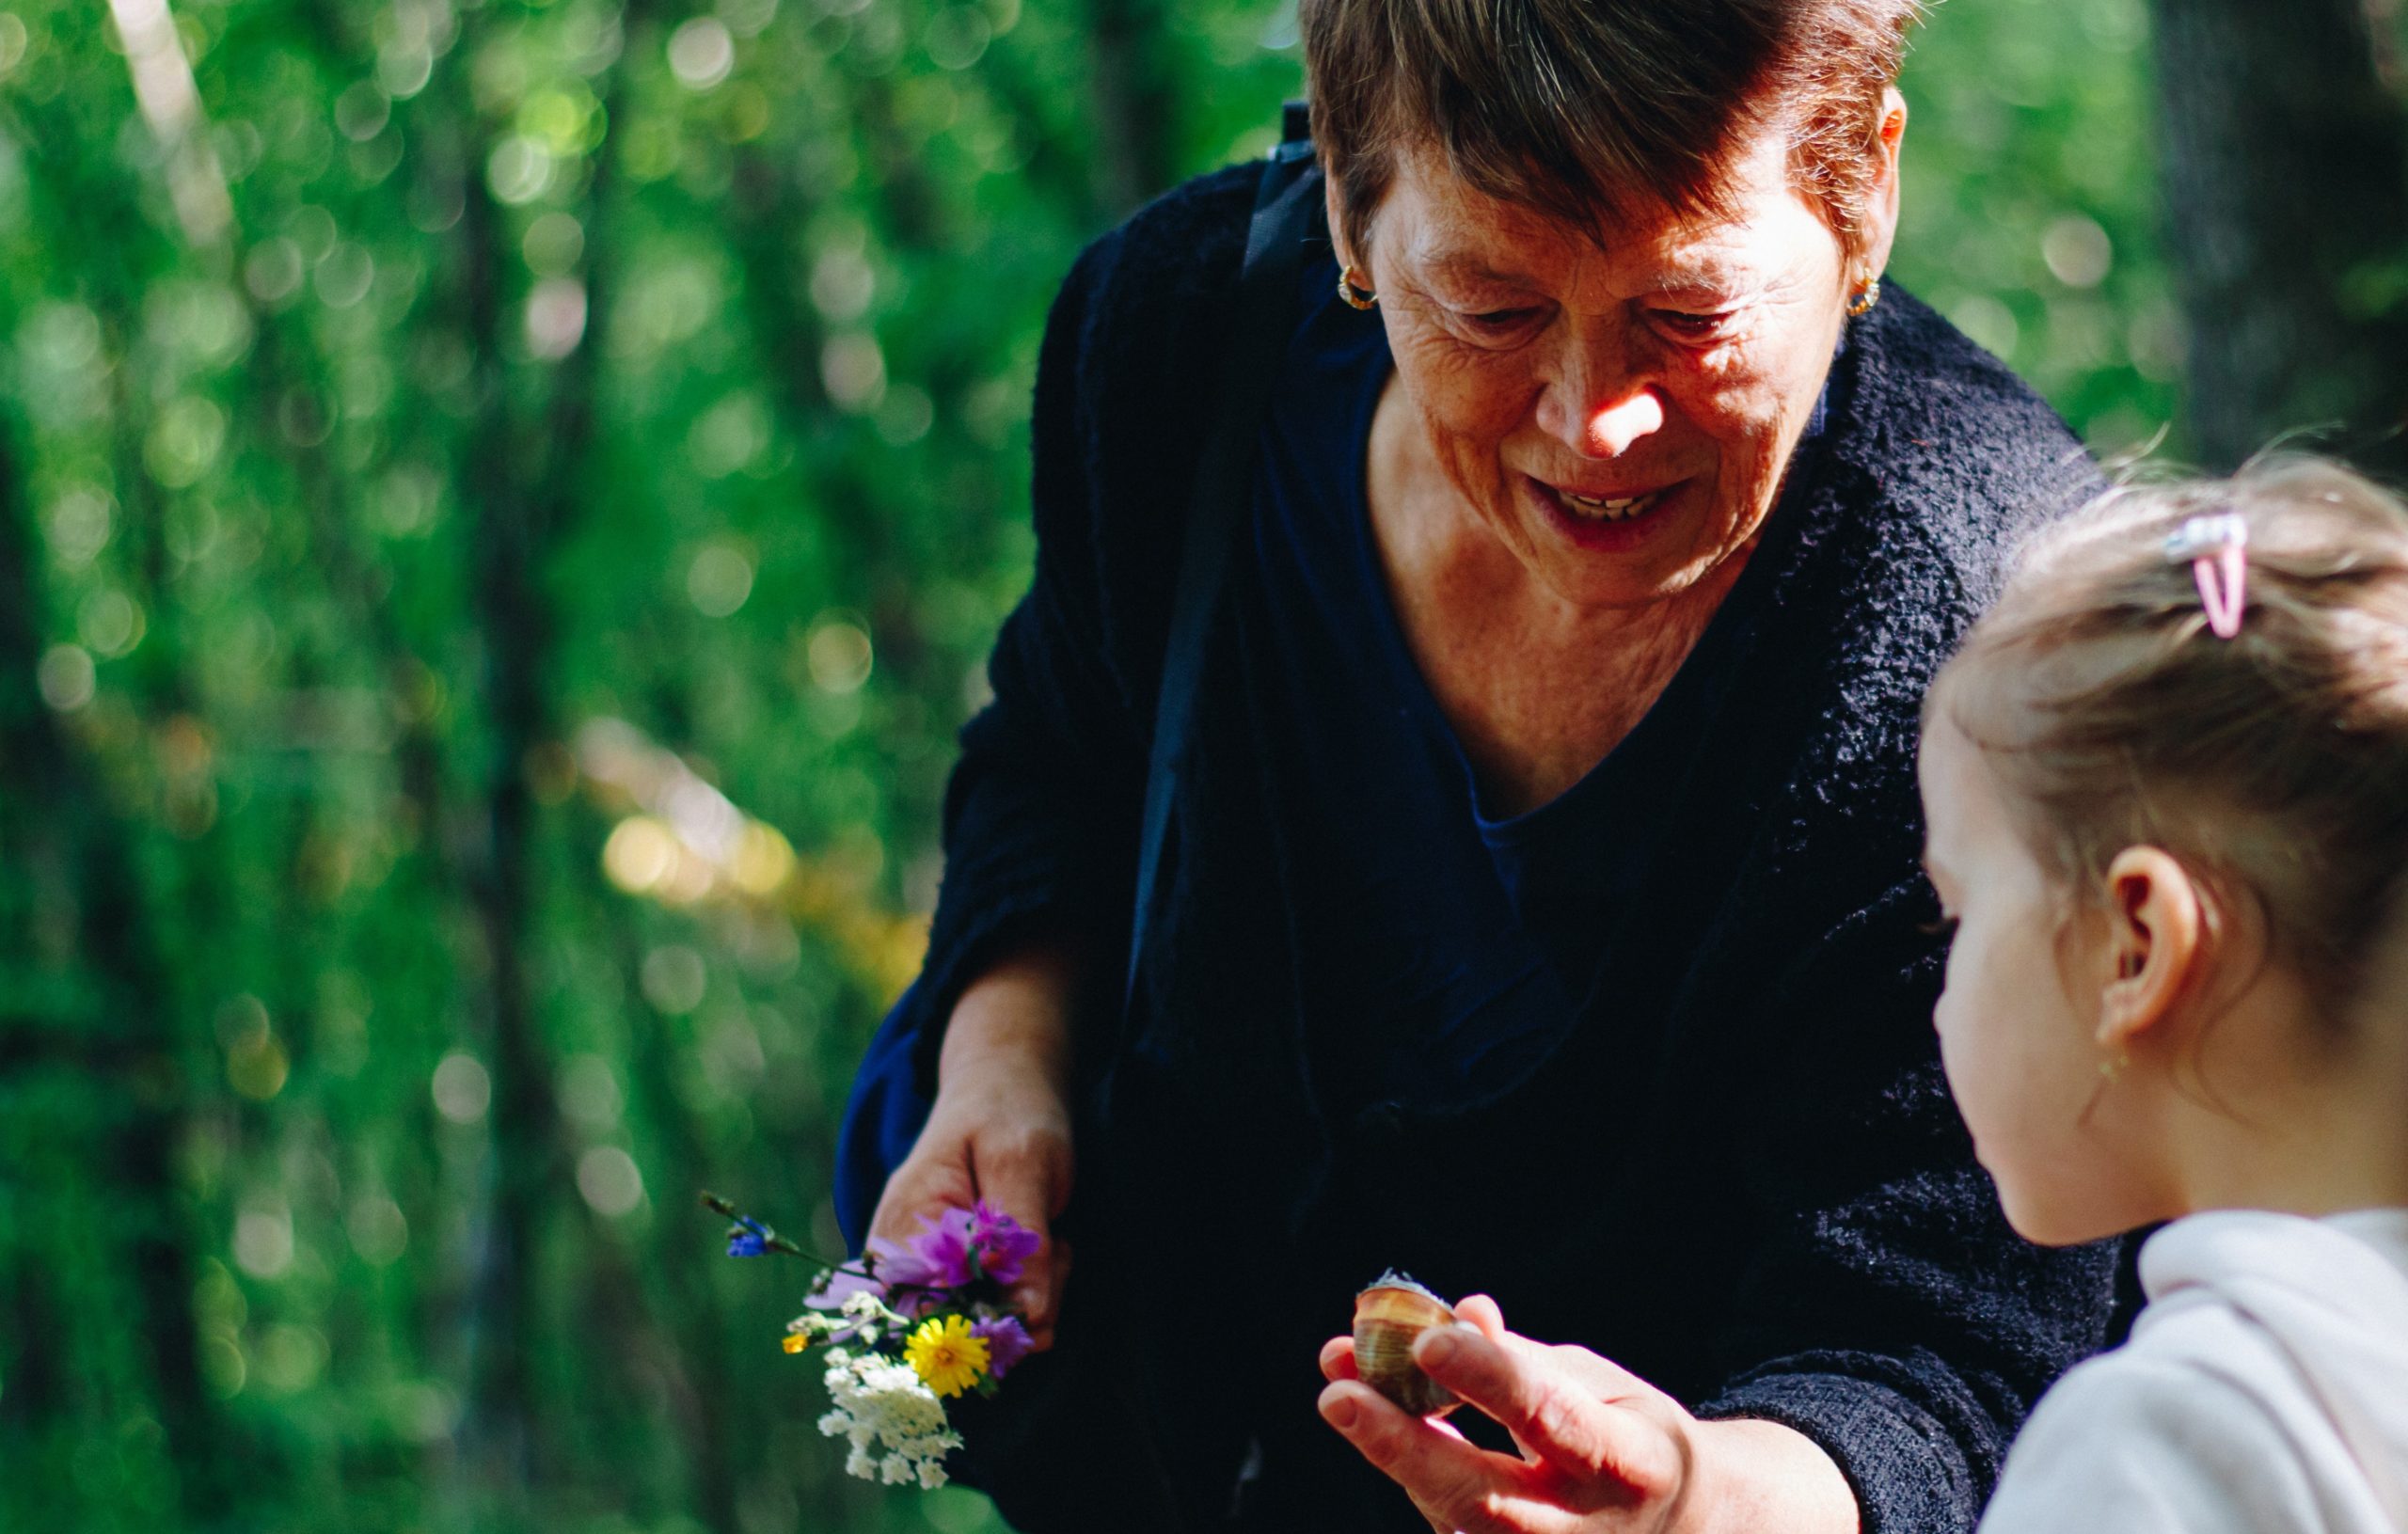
(1555, 1410)
(1338, 1359)
(1017, 1157)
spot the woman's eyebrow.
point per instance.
(1462, 264)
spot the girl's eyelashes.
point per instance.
(1943, 927)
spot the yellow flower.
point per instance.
(796, 1342)
(945, 1354)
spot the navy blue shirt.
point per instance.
(1454, 945)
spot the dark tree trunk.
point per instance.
(2286, 182)
(57, 825)
(1134, 94)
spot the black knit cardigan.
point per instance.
(1740, 1177)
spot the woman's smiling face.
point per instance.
(1618, 412)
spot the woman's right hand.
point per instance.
(1000, 1128)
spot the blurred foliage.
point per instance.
(502, 509)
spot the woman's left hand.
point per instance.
(1603, 1451)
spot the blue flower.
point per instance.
(746, 1239)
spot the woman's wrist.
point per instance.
(1748, 1475)
(1015, 1018)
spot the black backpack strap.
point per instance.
(1285, 205)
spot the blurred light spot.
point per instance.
(764, 859)
(843, 283)
(344, 274)
(184, 441)
(608, 1178)
(78, 525)
(404, 69)
(263, 1239)
(675, 979)
(519, 170)
(748, 18)
(110, 622)
(701, 53)
(1991, 323)
(222, 1365)
(313, 228)
(379, 1231)
(290, 1358)
(66, 677)
(241, 1023)
(553, 244)
(565, 120)
(273, 269)
(744, 114)
(13, 40)
(362, 111)
(905, 414)
(840, 655)
(957, 36)
(730, 436)
(555, 317)
(2078, 251)
(853, 371)
(65, 337)
(640, 854)
(590, 1092)
(257, 1069)
(720, 579)
(2157, 342)
(406, 501)
(423, 1411)
(463, 1091)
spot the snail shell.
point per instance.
(1387, 1317)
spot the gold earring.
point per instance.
(2113, 1066)
(1356, 296)
(1866, 296)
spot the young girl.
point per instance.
(2166, 784)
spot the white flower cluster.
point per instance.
(897, 1424)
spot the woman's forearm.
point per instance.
(1016, 1015)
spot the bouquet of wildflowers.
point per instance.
(907, 1326)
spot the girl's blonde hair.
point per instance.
(2274, 765)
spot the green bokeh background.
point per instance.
(726, 319)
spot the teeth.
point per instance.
(1611, 510)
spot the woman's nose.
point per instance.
(1614, 427)
(1602, 407)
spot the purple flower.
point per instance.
(1001, 1244)
(746, 1239)
(939, 1258)
(1008, 1342)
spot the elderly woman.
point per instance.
(1537, 905)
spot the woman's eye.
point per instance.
(1497, 322)
(1944, 928)
(1691, 325)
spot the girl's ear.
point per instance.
(2153, 943)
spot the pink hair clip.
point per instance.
(2217, 550)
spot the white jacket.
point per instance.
(2264, 1391)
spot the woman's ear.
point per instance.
(2155, 919)
(1881, 208)
(1346, 257)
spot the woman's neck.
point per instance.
(1537, 689)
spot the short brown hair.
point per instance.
(2272, 765)
(1592, 110)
